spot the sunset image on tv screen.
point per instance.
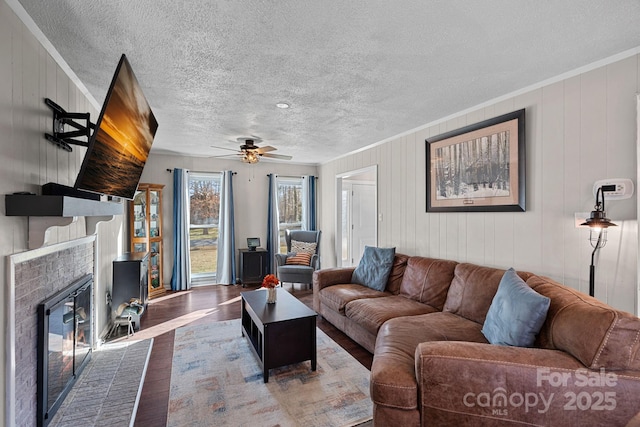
(119, 149)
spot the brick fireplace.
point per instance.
(35, 276)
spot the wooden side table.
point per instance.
(254, 265)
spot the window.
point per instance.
(289, 207)
(204, 204)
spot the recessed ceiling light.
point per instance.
(282, 105)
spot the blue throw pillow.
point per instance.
(516, 314)
(374, 267)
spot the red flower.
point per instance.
(270, 281)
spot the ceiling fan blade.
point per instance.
(225, 148)
(277, 156)
(266, 149)
(225, 155)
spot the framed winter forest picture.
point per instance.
(478, 168)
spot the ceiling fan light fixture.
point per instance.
(251, 156)
(249, 152)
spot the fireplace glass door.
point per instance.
(82, 325)
(64, 344)
(60, 350)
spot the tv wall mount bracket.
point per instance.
(63, 139)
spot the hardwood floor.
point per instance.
(202, 305)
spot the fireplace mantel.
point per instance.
(58, 206)
(49, 211)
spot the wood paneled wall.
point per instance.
(28, 74)
(579, 129)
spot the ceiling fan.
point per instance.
(251, 153)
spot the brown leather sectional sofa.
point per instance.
(433, 366)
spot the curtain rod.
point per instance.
(290, 176)
(171, 170)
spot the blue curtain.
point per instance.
(181, 276)
(226, 270)
(309, 203)
(273, 222)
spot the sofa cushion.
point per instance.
(336, 297)
(472, 290)
(427, 280)
(393, 374)
(308, 247)
(295, 273)
(591, 331)
(371, 313)
(397, 273)
(374, 267)
(302, 258)
(516, 314)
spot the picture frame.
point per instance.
(478, 168)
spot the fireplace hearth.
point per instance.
(64, 344)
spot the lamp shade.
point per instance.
(598, 219)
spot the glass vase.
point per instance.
(272, 295)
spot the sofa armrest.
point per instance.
(315, 262)
(331, 276)
(281, 259)
(476, 381)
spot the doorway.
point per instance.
(357, 213)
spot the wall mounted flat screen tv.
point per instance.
(119, 146)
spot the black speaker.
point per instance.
(53, 189)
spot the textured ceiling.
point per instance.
(355, 72)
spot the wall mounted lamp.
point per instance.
(598, 224)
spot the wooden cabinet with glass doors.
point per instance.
(145, 225)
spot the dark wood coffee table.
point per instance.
(280, 334)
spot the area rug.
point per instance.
(216, 380)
